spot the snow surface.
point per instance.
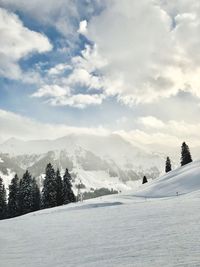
(183, 180)
(113, 231)
(102, 179)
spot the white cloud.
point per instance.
(14, 125)
(157, 139)
(153, 131)
(17, 42)
(82, 27)
(180, 129)
(59, 69)
(84, 67)
(51, 91)
(143, 51)
(64, 90)
(90, 59)
(47, 12)
(152, 48)
(83, 78)
(136, 56)
(61, 14)
(151, 122)
(78, 100)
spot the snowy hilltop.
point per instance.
(152, 226)
(183, 180)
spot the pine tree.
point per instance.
(13, 197)
(49, 188)
(68, 195)
(144, 180)
(168, 166)
(3, 203)
(59, 189)
(185, 154)
(36, 195)
(26, 194)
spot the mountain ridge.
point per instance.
(99, 161)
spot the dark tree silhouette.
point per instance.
(13, 198)
(36, 195)
(68, 195)
(168, 166)
(3, 203)
(185, 154)
(144, 180)
(26, 193)
(49, 189)
(59, 189)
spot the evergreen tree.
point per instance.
(144, 180)
(13, 197)
(168, 166)
(36, 195)
(68, 195)
(49, 188)
(26, 193)
(3, 203)
(59, 189)
(185, 154)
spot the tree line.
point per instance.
(24, 194)
(185, 159)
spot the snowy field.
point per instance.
(151, 229)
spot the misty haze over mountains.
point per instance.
(98, 161)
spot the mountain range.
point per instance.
(94, 161)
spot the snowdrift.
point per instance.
(183, 180)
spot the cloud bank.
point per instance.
(139, 52)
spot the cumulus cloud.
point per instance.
(16, 42)
(64, 91)
(151, 48)
(139, 52)
(138, 48)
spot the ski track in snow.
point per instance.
(113, 231)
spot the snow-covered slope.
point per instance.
(183, 180)
(119, 230)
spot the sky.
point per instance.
(100, 67)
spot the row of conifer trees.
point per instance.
(24, 194)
